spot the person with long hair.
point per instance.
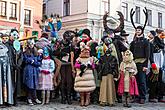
(31, 70)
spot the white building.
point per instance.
(88, 13)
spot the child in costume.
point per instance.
(46, 76)
(127, 83)
(107, 72)
(31, 71)
(84, 80)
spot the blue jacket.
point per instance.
(31, 70)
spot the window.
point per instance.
(66, 7)
(106, 4)
(2, 8)
(149, 17)
(27, 19)
(125, 10)
(159, 20)
(44, 9)
(137, 14)
(13, 11)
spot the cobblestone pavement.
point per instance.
(75, 106)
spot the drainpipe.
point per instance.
(22, 19)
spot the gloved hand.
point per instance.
(45, 71)
(89, 66)
(82, 67)
(153, 65)
(32, 61)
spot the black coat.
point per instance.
(140, 48)
(108, 65)
(157, 44)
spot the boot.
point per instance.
(63, 97)
(43, 97)
(47, 97)
(69, 98)
(82, 98)
(87, 99)
(126, 102)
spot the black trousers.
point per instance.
(66, 80)
(161, 86)
(141, 81)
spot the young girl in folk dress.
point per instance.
(46, 76)
(127, 82)
(84, 80)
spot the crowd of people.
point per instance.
(78, 68)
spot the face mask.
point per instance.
(108, 52)
(45, 52)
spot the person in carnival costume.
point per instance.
(117, 42)
(87, 39)
(84, 80)
(6, 83)
(108, 69)
(66, 68)
(46, 76)
(127, 83)
(140, 47)
(31, 71)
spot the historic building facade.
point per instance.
(20, 14)
(88, 13)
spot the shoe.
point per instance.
(153, 100)
(69, 100)
(63, 101)
(30, 102)
(87, 100)
(82, 100)
(142, 101)
(161, 100)
(119, 100)
(38, 101)
(127, 105)
(103, 104)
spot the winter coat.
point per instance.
(86, 82)
(140, 48)
(108, 65)
(127, 81)
(158, 44)
(31, 70)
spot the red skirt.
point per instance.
(133, 88)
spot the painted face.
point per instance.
(138, 32)
(5, 39)
(30, 43)
(31, 46)
(14, 35)
(107, 41)
(45, 52)
(85, 53)
(84, 36)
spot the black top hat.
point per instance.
(123, 33)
